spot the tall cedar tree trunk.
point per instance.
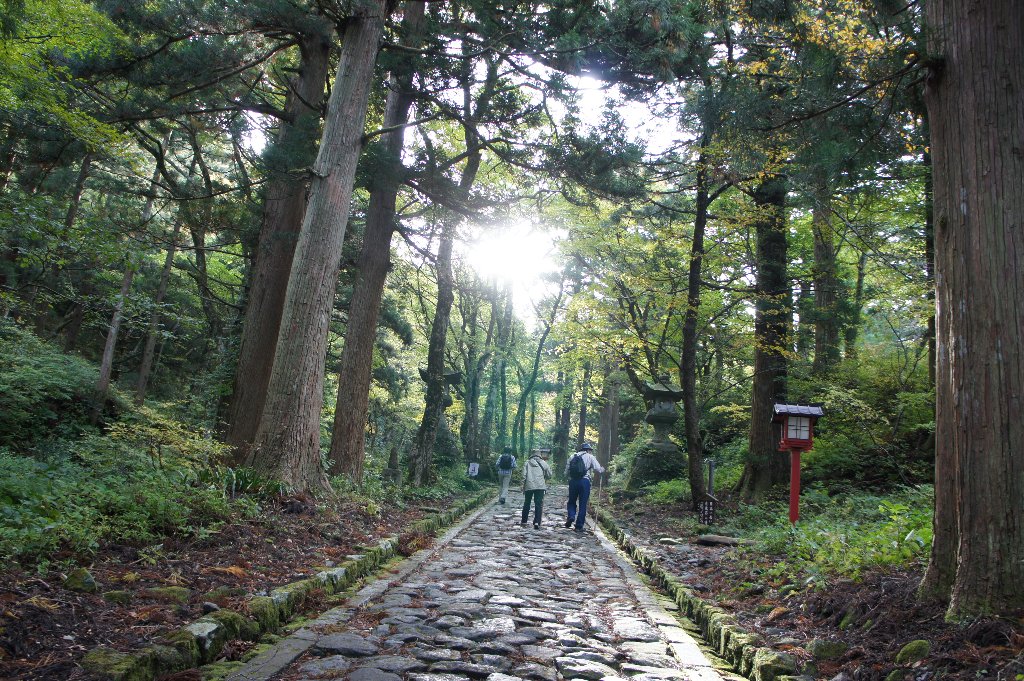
(563, 416)
(765, 466)
(929, 261)
(977, 124)
(608, 419)
(852, 330)
(287, 443)
(688, 360)
(149, 350)
(433, 412)
(348, 437)
(107, 362)
(476, 364)
(200, 218)
(581, 432)
(495, 410)
(77, 313)
(826, 286)
(284, 204)
(490, 404)
(526, 389)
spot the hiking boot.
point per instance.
(536, 526)
(501, 501)
(568, 524)
(581, 530)
(522, 524)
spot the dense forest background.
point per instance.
(265, 249)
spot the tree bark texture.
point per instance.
(852, 331)
(284, 205)
(581, 430)
(974, 95)
(826, 287)
(148, 352)
(688, 360)
(348, 437)
(765, 465)
(437, 390)
(287, 443)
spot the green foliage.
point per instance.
(669, 491)
(843, 534)
(233, 483)
(97, 490)
(44, 393)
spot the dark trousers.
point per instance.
(538, 504)
(579, 494)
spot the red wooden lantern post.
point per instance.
(796, 434)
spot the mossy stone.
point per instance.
(769, 665)
(848, 619)
(224, 592)
(913, 652)
(81, 580)
(821, 649)
(266, 612)
(895, 675)
(171, 594)
(186, 645)
(110, 663)
(118, 596)
(237, 625)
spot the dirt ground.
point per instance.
(45, 628)
(875, 615)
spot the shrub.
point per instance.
(44, 393)
(98, 490)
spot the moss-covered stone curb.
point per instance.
(745, 651)
(201, 641)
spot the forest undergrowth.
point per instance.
(838, 591)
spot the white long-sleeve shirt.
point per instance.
(589, 459)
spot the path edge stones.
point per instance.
(200, 642)
(745, 651)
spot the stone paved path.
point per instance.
(496, 601)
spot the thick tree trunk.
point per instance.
(765, 466)
(852, 331)
(688, 360)
(348, 438)
(504, 347)
(107, 361)
(76, 316)
(437, 391)
(581, 426)
(977, 124)
(476, 364)
(826, 287)
(148, 352)
(608, 419)
(284, 205)
(287, 443)
(563, 415)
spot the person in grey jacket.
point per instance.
(536, 473)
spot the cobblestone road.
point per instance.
(496, 601)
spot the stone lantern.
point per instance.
(660, 459)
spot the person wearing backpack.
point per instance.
(535, 480)
(577, 469)
(505, 464)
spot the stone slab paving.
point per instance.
(492, 600)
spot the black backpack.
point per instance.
(505, 462)
(577, 467)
